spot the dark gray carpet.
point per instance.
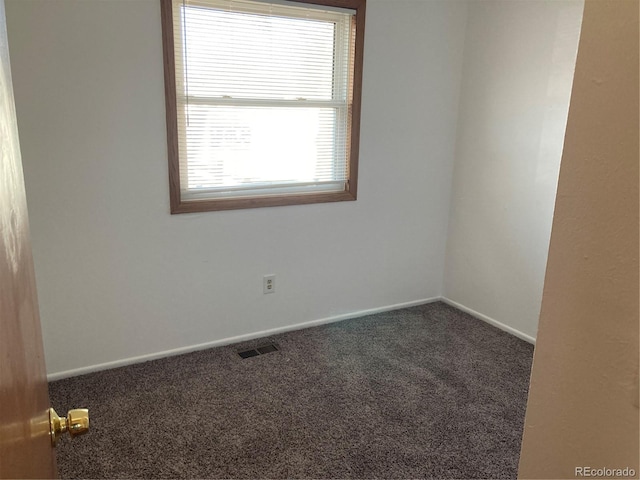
(424, 392)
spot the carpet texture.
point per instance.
(423, 392)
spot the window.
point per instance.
(263, 101)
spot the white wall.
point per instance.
(119, 277)
(518, 69)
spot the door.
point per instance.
(25, 444)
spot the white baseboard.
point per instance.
(230, 340)
(491, 321)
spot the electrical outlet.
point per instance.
(268, 284)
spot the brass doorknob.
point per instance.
(76, 423)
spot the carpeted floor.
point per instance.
(424, 392)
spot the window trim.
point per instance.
(179, 205)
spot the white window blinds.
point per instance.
(263, 96)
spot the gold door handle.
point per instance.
(76, 423)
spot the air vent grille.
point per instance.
(261, 350)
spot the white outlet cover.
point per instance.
(268, 284)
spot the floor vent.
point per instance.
(261, 350)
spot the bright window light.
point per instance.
(266, 101)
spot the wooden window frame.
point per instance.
(179, 205)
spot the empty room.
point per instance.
(319, 238)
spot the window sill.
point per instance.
(195, 206)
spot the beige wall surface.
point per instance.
(582, 409)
